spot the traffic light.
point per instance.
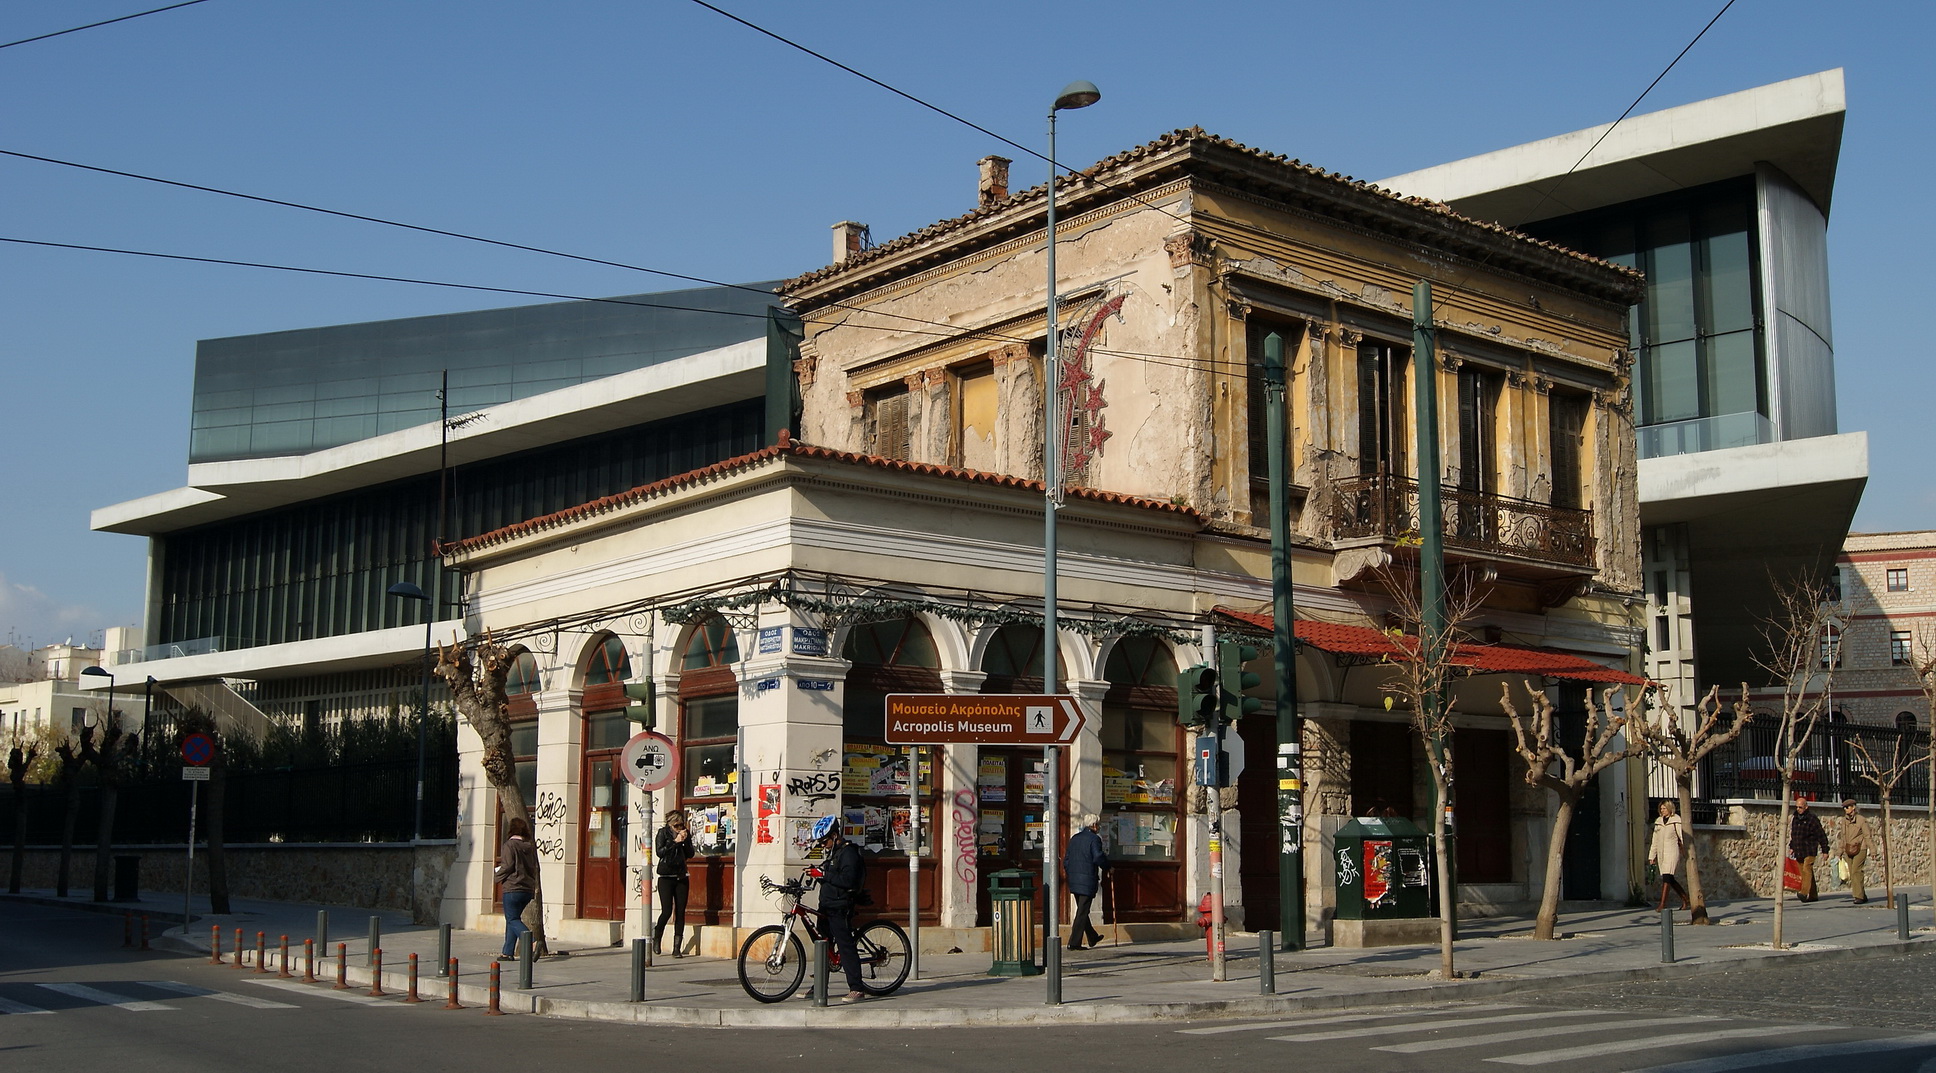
(1196, 696)
(1237, 682)
(640, 711)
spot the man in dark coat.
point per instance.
(1806, 840)
(842, 871)
(1083, 863)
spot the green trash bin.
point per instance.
(1011, 895)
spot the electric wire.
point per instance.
(103, 22)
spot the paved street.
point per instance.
(72, 999)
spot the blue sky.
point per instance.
(661, 134)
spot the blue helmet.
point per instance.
(824, 826)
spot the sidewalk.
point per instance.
(1130, 982)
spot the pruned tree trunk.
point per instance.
(105, 759)
(1442, 860)
(70, 780)
(18, 761)
(1680, 748)
(475, 673)
(1690, 857)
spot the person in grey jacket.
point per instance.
(517, 875)
(1083, 863)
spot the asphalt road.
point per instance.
(73, 999)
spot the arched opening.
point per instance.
(604, 806)
(1009, 789)
(893, 656)
(1142, 783)
(709, 766)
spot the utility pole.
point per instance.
(1290, 728)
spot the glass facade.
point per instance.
(1700, 380)
(290, 393)
(321, 568)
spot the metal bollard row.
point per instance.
(451, 972)
(412, 998)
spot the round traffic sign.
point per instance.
(197, 750)
(647, 760)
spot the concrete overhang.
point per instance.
(323, 655)
(1795, 125)
(221, 490)
(1756, 518)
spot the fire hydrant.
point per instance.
(1204, 922)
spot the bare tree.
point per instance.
(18, 761)
(1566, 770)
(69, 778)
(1800, 647)
(105, 758)
(1679, 745)
(1903, 758)
(1923, 665)
(1423, 672)
(475, 672)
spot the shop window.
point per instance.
(1141, 753)
(895, 656)
(709, 737)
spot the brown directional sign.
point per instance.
(982, 719)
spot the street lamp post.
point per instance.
(409, 591)
(104, 766)
(1074, 95)
(103, 672)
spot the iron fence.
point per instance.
(1830, 768)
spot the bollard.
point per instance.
(443, 948)
(284, 972)
(342, 967)
(820, 972)
(493, 1010)
(144, 931)
(309, 961)
(1267, 962)
(1052, 969)
(450, 970)
(322, 929)
(376, 973)
(376, 940)
(639, 947)
(215, 944)
(1667, 938)
(1902, 918)
(412, 996)
(238, 948)
(261, 952)
(524, 962)
(127, 929)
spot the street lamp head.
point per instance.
(408, 590)
(1077, 94)
(99, 672)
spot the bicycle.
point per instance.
(773, 960)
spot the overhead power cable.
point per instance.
(103, 22)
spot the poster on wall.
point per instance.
(1378, 873)
(991, 782)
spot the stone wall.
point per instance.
(401, 877)
(1738, 858)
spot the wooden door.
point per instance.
(604, 807)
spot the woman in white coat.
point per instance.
(1666, 850)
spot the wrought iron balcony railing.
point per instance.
(1385, 506)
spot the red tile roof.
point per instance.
(1351, 640)
(791, 448)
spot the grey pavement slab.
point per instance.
(1127, 982)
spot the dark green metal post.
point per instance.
(1431, 536)
(1290, 729)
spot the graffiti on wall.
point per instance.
(548, 823)
(966, 811)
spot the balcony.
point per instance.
(1550, 539)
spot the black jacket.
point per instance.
(672, 855)
(841, 876)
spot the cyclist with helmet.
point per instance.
(842, 871)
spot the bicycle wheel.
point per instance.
(771, 964)
(884, 963)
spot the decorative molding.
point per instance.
(1542, 385)
(804, 370)
(1189, 247)
(930, 378)
(1450, 362)
(856, 399)
(1350, 337)
(1239, 308)
(1515, 379)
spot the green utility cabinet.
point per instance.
(1384, 883)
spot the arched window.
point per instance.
(1142, 779)
(609, 664)
(1906, 722)
(1014, 658)
(709, 740)
(892, 656)
(523, 676)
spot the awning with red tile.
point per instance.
(1346, 639)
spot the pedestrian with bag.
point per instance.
(1084, 863)
(1852, 846)
(1806, 841)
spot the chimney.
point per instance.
(993, 187)
(849, 239)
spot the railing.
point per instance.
(1703, 434)
(1830, 767)
(199, 646)
(1385, 506)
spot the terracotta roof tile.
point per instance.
(1352, 640)
(789, 447)
(1176, 139)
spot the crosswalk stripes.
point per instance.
(8, 1005)
(107, 998)
(192, 991)
(1542, 1032)
(358, 997)
(1651, 1043)
(1421, 1026)
(1805, 1053)
(1355, 1017)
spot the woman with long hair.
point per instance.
(673, 848)
(517, 874)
